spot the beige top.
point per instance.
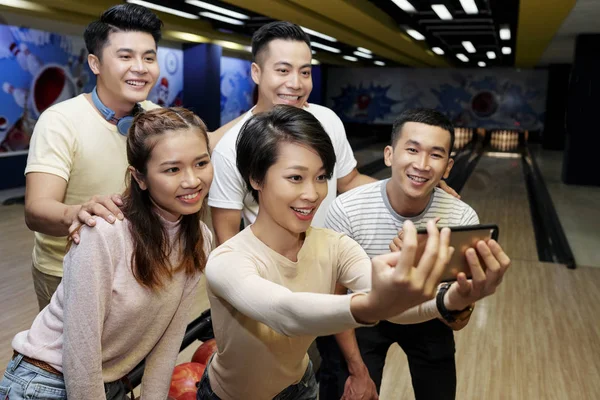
(267, 310)
(72, 140)
(101, 322)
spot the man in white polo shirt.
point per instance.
(282, 71)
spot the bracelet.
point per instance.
(449, 316)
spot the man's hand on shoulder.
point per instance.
(444, 186)
(106, 207)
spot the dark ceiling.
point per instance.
(378, 25)
(481, 29)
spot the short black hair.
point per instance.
(260, 136)
(276, 30)
(123, 17)
(424, 116)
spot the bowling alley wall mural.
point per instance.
(237, 88)
(39, 69)
(491, 99)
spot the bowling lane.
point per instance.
(496, 190)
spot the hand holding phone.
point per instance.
(482, 283)
(462, 238)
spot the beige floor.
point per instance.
(578, 208)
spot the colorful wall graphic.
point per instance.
(237, 88)
(494, 98)
(39, 69)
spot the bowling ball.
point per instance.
(484, 104)
(187, 396)
(184, 379)
(363, 101)
(203, 353)
(52, 85)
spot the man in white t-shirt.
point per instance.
(282, 71)
(372, 215)
(77, 157)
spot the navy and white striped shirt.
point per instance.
(366, 215)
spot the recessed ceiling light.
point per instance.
(380, 63)
(462, 57)
(362, 49)
(163, 9)
(319, 34)
(506, 50)
(415, 35)
(325, 47)
(468, 46)
(469, 6)
(350, 58)
(363, 55)
(437, 50)
(221, 10)
(218, 17)
(505, 32)
(441, 11)
(404, 6)
(481, 64)
(491, 55)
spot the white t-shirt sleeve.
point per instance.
(345, 161)
(228, 188)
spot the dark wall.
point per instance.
(580, 165)
(202, 77)
(554, 134)
(13, 168)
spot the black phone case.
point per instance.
(493, 227)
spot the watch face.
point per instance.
(171, 63)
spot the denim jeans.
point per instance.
(26, 381)
(306, 389)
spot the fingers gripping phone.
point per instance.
(461, 238)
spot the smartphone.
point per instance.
(461, 238)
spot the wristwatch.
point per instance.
(451, 316)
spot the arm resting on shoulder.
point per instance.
(44, 208)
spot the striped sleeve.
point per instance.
(469, 217)
(337, 218)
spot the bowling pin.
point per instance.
(9, 46)
(33, 63)
(3, 125)
(20, 95)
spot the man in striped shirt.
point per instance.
(373, 214)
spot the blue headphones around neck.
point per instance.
(123, 124)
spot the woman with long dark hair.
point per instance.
(128, 286)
